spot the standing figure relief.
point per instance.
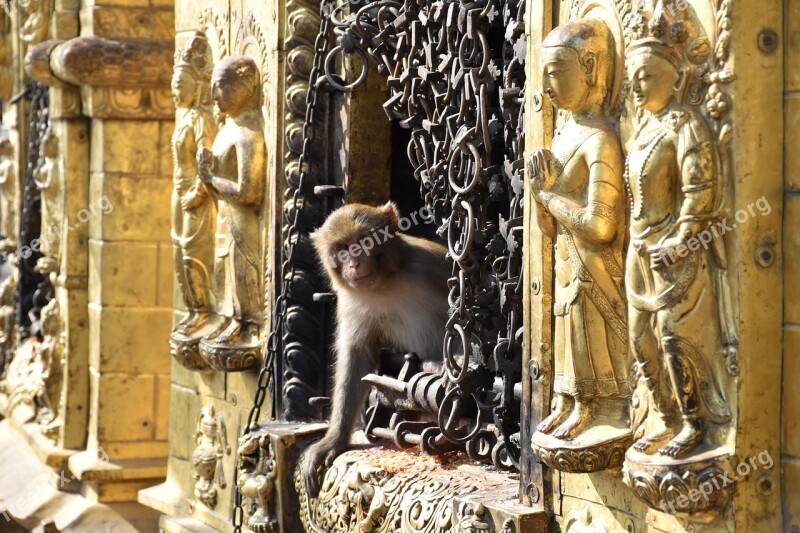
(193, 207)
(679, 315)
(233, 170)
(579, 192)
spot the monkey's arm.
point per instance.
(356, 356)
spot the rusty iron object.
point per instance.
(455, 72)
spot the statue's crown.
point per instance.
(664, 27)
(195, 55)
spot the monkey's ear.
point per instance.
(391, 210)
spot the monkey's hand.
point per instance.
(319, 454)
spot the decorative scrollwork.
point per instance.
(383, 490)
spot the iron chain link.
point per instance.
(265, 375)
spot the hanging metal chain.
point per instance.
(266, 376)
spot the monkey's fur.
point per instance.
(393, 295)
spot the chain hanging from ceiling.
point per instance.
(455, 72)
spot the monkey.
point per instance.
(391, 291)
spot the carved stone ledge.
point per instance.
(117, 78)
(366, 489)
(187, 352)
(696, 488)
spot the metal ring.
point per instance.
(459, 257)
(450, 361)
(476, 159)
(329, 68)
(443, 428)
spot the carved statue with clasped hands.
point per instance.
(234, 172)
(579, 191)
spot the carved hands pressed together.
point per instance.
(543, 172)
(206, 165)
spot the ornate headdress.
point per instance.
(195, 56)
(663, 27)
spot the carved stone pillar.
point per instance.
(120, 79)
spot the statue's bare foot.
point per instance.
(557, 416)
(218, 329)
(687, 439)
(660, 431)
(192, 323)
(231, 333)
(578, 419)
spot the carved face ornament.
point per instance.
(654, 80)
(565, 80)
(184, 88)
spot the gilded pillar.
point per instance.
(114, 171)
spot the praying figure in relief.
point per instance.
(233, 170)
(579, 191)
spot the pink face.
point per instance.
(357, 266)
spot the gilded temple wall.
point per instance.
(217, 402)
(125, 394)
(790, 421)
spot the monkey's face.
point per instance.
(358, 246)
(357, 266)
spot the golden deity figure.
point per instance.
(212, 444)
(579, 189)
(9, 195)
(679, 310)
(193, 206)
(49, 180)
(234, 172)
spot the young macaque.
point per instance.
(391, 293)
